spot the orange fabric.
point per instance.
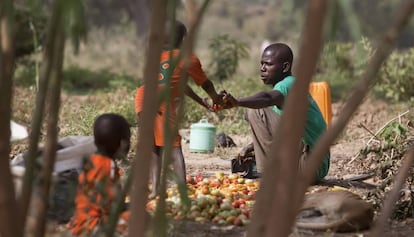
(194, 70)
(96, 191)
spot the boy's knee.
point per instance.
(250, 114)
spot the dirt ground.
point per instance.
(372, 115)
(369, 118)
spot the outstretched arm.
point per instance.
(190, 93)
(208, 87)
(260, 100)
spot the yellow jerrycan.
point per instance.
(321, 93)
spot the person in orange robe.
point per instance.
(196, 73)
(99, 179)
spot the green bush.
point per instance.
(25, 73)
(341, 65)
(77, 80)
(225, 55)
(396, 78)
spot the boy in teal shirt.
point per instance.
(266, 107)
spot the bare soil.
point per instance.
(368, 119)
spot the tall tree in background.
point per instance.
(139, 12)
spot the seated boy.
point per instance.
(99, 180)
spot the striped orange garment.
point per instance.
(96, 191)
(197, 74)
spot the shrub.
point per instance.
(396, 78)
(341, 65)
(225, 55)
(76, 79)
(25, 73)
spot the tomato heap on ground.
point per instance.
(223, 199)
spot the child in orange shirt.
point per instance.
(197, 74)
(99, 180)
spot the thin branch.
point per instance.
(369, 131)
(386, 124)
(374, 135)
(42, 201)
(36, 124)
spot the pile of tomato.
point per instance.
(221, 199)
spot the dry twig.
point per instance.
(393, 196)
(374, 135)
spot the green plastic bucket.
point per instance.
(202, 137)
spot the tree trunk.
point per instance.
(159, 226)
(8, 215)
(36, 124)
(141, 164)
(138, 10)
(274, 212)
(52, 131)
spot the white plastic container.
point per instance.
(202, 137)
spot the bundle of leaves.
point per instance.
(384, 155)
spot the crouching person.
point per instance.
(99, 179)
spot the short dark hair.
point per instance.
(282, 52)
(180, 32)
(109, 130)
